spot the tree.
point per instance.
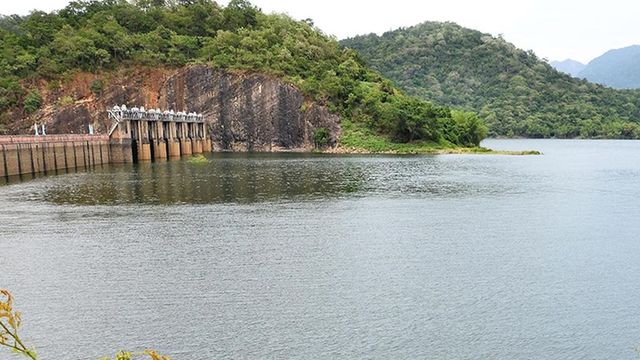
(41, 27)
(150, 4)
(469, 129)
(10, 93)
(240, 14)
(413, 120)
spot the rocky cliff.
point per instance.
(245, 112)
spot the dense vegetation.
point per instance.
(103, 35)
(516, 93)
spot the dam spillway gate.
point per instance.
(154, 134)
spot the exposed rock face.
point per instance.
(245, 112)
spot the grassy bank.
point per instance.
(357, 138)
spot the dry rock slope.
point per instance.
(244, 111)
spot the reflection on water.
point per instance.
(248, 178)
(237, 178)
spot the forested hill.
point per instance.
(102, 36)
(517, 93)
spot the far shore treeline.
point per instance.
(515, 92)
(102, 36)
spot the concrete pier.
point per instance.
(186, 147)
(158, 140)
(174, 149)
(173, 143)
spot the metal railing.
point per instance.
(120, 113)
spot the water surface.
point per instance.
(310, 256)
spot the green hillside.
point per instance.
(513, 90)
(105, 35)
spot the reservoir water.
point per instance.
(318, 256)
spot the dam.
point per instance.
(135, 135)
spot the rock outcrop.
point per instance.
(245, 112)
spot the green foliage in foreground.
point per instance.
(104, 35)
(516, 93)
(11, 322)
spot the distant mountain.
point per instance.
(517, 93)
(569, 66)
(619, 69)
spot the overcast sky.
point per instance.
(554, 29)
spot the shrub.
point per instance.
(10, 93)
(97, 86)
(198, 160)
(53, 85)
(65, 101)
(321, 137)
(32, 102)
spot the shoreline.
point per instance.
(417, 150)
(428, 151)
(358, 139)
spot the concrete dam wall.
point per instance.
(50, 153)
(136, 135)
